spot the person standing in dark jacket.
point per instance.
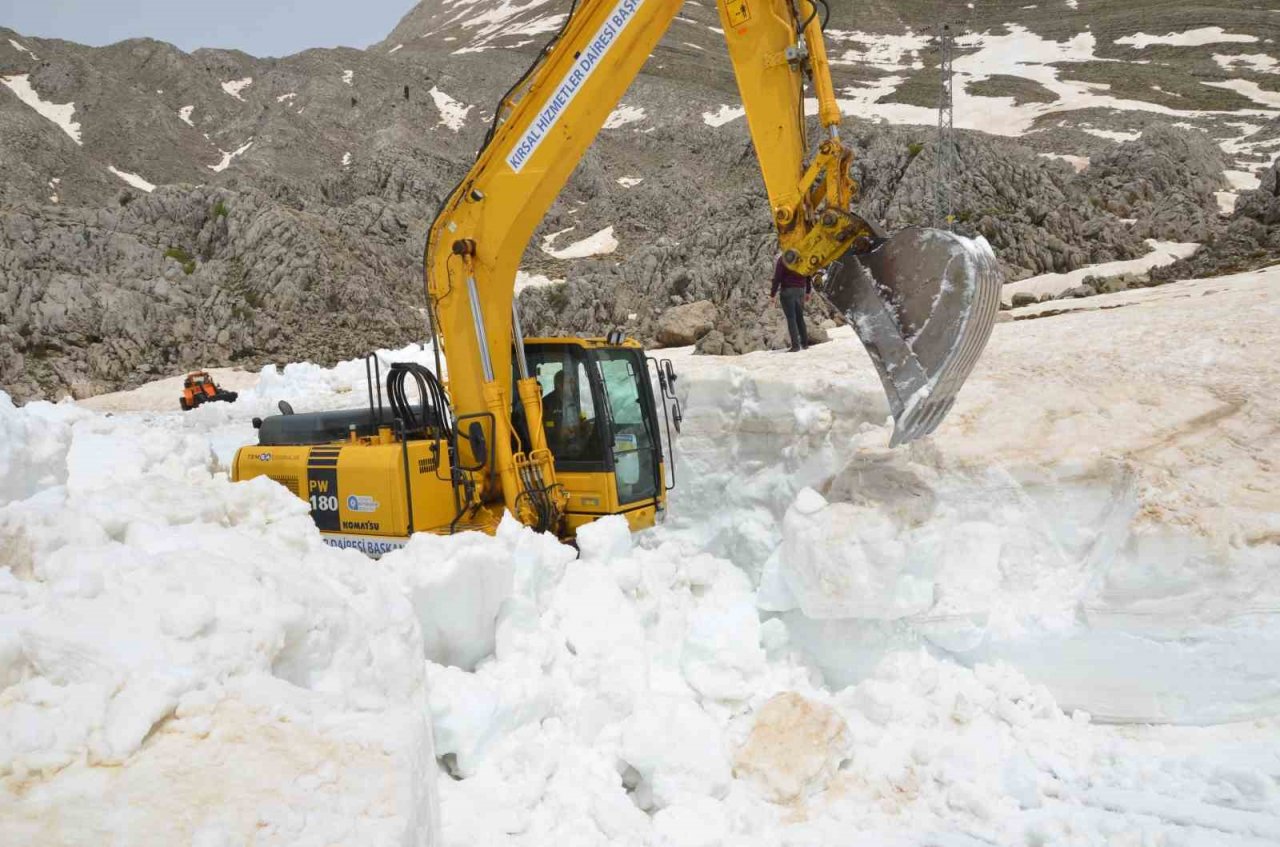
(795, 289)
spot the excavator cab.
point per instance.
(602, 425)
(375, 475)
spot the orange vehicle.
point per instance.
(200, 388)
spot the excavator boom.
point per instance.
(561, 431)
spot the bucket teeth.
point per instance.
(923, 302)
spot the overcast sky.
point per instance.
(258, 27)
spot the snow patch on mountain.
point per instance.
(1112, 134)
(624, 115)
(133, 179)
(880, 50)
(228, 158)
(1259, 62)
(235, 86)
(1250, 89)
(524, 280)
(59, 113)
(599, 243)
(488, 21)
(723, 115)
(184, 115)
(348, 76)
(19, 47)
(452, 113)
(1162, 253)
(1188, 38)
(1015, 52)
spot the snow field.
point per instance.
(827, 643)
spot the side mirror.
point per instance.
(670, 373)
(677, 417)
(284, 407)
(475, 435)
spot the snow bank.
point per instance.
(1075, 516)
(60, 114)
(182, 656)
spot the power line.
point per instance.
(945, 151)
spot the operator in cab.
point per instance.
(567, 424)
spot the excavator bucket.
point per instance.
(923, 302)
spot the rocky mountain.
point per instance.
(161, 210)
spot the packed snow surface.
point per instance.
(133, 179)
(59, 113)
(452, 113)
(827, 643)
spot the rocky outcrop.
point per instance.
(683, 325)
(1251, 238)
(193, 277)
(1165, 180)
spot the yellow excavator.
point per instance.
(561, 431)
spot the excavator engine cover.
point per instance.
(923, 302)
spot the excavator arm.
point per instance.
(541, 130)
